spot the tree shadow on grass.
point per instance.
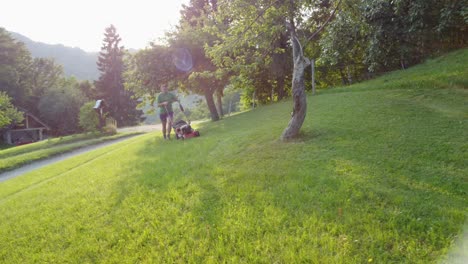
(335, 185)
(306, 136)
(168, 168)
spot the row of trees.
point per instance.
(259, 47)
(262, 46)
(369, 37)
(38, 86)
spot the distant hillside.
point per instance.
(75, 61)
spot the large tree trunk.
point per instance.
(298, 90)
(211, 105)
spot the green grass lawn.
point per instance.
(378, 175)
(15, 157)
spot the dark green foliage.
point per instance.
(38, 86)
(88, 89)
(371, 37)
(14, 64)
(43, 75)
(404, 32)
(88, 119)
(343, 47)
(8, 113)
(110, 87)
(60, 107)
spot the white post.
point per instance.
(312, 66)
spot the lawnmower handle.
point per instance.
(181, 107)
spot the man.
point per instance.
(166, 114)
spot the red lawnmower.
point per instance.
(183, 129)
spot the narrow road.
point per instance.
(145, 128)
(41, 163)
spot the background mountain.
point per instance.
(75, 61)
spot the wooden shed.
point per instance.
(30, 130)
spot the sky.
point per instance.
(81, 23)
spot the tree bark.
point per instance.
(298, 83)
(350, 77)
(280, 83)
(343, 77)
(298, 89)
(211, 105)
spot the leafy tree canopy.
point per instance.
(14, 68)
(110, 86)
(8, 113)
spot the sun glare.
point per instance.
(82, 23)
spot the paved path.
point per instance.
(41, 163)
(145, 128)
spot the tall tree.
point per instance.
(88, 89)
(110, 86)
(15, 61)
(190, 37)
(254, 25)
(183, 63)
(44, 74)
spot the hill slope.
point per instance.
(75, 61)
(378, 176)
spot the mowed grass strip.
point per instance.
(13, 158)
(17, 150)
(378, 176)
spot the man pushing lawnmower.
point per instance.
(182, 129)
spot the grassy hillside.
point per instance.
(379, 175)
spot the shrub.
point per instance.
(111, 126)
(88, 118)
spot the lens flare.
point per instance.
(182, 59)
